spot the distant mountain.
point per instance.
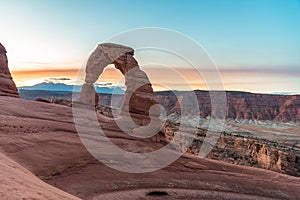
(59, 87)
(286, 93)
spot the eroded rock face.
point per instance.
(257, 152)
(245, 150)
(241, 105)
(7, 85)
(139, 96)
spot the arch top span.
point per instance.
(105, 54)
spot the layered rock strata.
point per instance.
(139, 102)
(243, 150)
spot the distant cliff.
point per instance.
(242, 105)
(245, 150)
(235, 148)
(258, 153)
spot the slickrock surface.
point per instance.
(42, 138)
(7, 85)
(18, 183)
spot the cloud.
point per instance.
(60, 79)
(103, 84)
(57, 79)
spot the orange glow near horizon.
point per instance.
(181, 79)
(161, 78)
(31, 77)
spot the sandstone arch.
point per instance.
(139, 103)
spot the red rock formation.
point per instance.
(242, 150)
(242, 105)
(289, 110)
(90, 97)
(257, 153)
(7, 85)
(139, 96)
(42, 138)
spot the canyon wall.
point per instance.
(244, 150)
(242, 105)
(256, 152)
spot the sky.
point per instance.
(255, 44)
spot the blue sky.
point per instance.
(252, 37)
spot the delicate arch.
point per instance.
(139, 102)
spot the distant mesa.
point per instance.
(7, 85)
